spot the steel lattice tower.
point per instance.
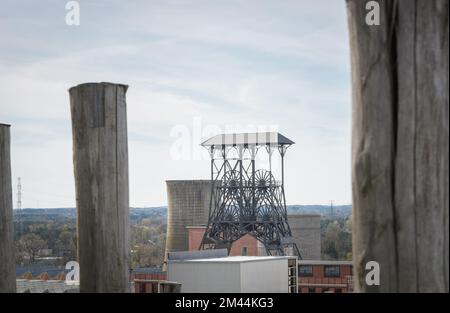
(244, 199)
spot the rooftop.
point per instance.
(45, 286)
(233, 259)
(147, 270)
(250, 139)
(323, 262)
(36, 269)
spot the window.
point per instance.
(292, 271)
(332, 271)
(244, 251)
(311, 290)
(292, 262)
(305, 270)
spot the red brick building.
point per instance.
(325, 276)
(247, 245)
(144, 279)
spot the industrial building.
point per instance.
(152, 280)
(187, 216)
(247, 245)
(325, 276)
(310, 276)
(235, 274)
(305, 230)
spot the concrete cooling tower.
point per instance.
(188, 205)
(306, 231)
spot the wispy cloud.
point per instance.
(241, 63)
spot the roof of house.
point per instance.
(35, 270)
(45, 286)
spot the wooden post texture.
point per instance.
(100, 156)
(7, 260)
(400, 144)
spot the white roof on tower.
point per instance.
(248, 139)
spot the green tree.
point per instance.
(28, 246)
(336, 239)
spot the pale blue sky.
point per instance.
(235, 65)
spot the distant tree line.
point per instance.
(53, 240)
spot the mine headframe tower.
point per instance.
(244, 199)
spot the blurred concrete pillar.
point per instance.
(7, 260)
(100, 157)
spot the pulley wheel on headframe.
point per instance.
(231, 179)
(263, 179)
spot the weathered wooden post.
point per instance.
(7, 260)
(100, 156)
(400, 144)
